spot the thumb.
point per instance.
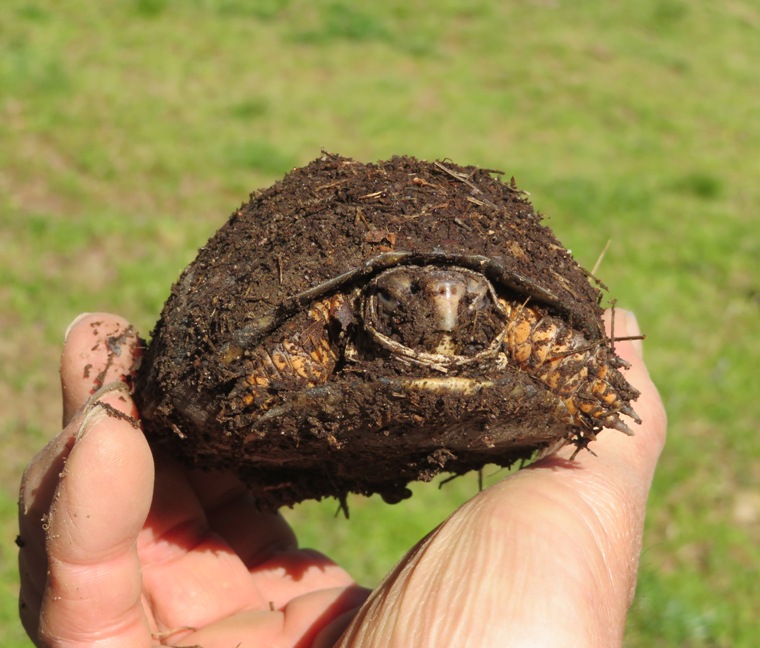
(93, 589)
(85, 497)
(99, 349)
(521, 561)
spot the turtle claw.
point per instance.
(621, 427)
(629, 411)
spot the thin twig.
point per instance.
(458, 176)
(599, 260)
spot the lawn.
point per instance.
(129, 131)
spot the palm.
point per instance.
(211, 560)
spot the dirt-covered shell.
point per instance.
(268, 359)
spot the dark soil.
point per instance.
(211, 390)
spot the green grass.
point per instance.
(129, 130)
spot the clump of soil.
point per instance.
(265, 363)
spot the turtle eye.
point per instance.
(386, 301)
(392, 291)
(477, 294)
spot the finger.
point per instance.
(337, 606)
(99, 352)
(315, 619)
(595, 505)
(292, 574)
(548, 556)
(264, 542)
(649, 439)
(191, 576)
(635, 456)
(83, 359)
(232, 512)
(93, 589)
(99, 349)
(613, 483)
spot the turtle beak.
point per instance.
(445, 292)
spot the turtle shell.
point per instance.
(358, 326)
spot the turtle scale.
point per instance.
(248, 368)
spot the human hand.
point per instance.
(119, 550)
(546, 557)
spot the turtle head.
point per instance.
(432, 309)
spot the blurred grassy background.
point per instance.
(129, 130)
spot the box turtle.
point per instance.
(359, 326)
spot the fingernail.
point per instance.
(74, 322)
(90, 418)
(94, 410)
